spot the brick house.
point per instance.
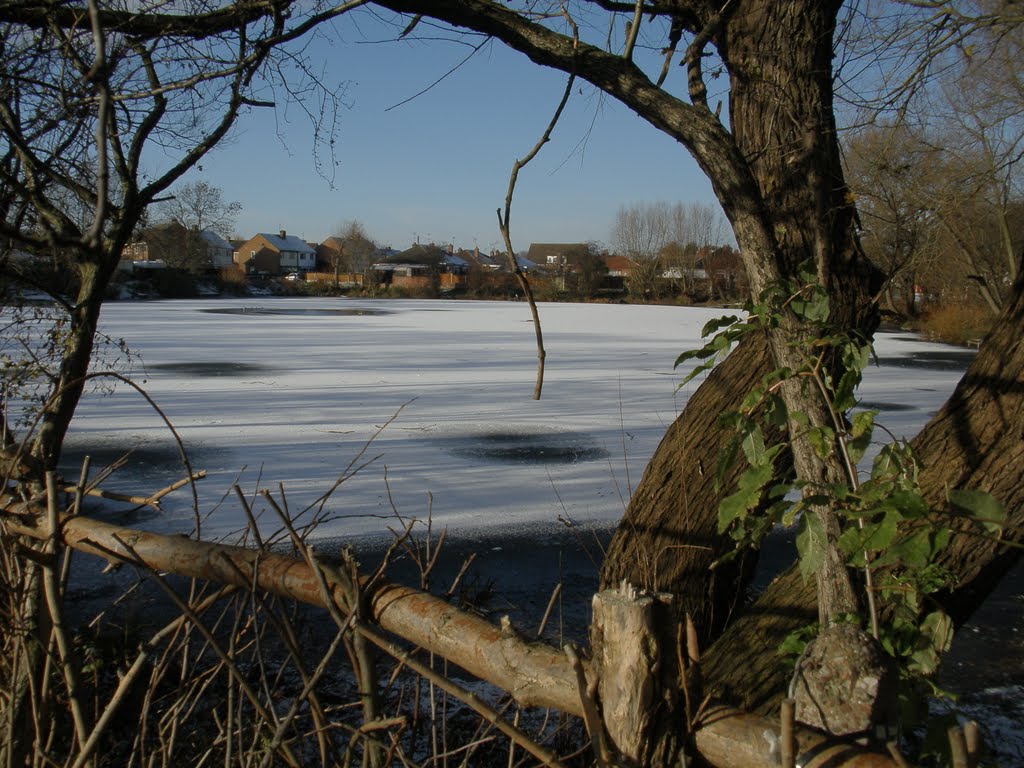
(422, 266)
(274, 254)
(619, 266)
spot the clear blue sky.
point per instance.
(437, 167)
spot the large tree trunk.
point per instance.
(779, 60)
(973, 442)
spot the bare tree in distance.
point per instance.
(697, 229)
(940, 185)
(200, 206)
(351, 249)
(181, 221)
(640, 231)
(664, 241)
(979, 204)
(888, 168)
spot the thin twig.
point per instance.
(504, 224)
(633, 30)
(51, 589)
(547, 611)
(591, 717)
(266, 716)
(127, 680)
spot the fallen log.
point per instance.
(534, 673)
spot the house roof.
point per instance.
(545, 253)
(287, 242)
(333, 243)
(619, 263)
(477, 257)
(426, 254)
(214, 240)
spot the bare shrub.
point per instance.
(956, 323)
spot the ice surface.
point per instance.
(267, 391)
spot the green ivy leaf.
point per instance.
(983, 507)
(812, 306)
(843, 398)
(694, 354)
(934, 637)
(775, 412)
(753, 445)
(912, 552)
(705, 366)
(756, 477)
(939, 628)
(891, 462)
(862, 427)
(856, 354)
(822, 439)
(910, 504)
(860, 543)
(711, 326)
(737, 505)
(799, 418)
(811, 544)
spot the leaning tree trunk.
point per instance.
(669, 537)
(973, 442)
(779, 61)
(95, 271)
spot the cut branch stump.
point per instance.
(633, 645)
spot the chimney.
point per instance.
(283, 234)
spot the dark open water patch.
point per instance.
(938, 360)
(298, 311)
(145, 461)
(515, 447)
(212, 369)
(148, 466)
(878, 405)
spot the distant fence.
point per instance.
(344, 278)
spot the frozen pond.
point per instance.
(430, 399)
(290, 391)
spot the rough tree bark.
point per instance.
(668, 538)
(95, 267)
